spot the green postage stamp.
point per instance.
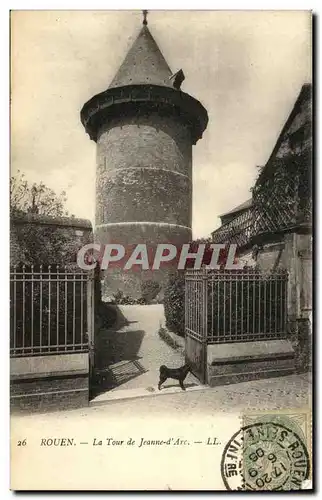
(272, 451)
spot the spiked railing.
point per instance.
(50, 310)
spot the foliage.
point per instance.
(164, 335)
(122, 299)
(253, 304)
(35, 198)
(238, 306)
(174, 293)
(303, 345)
(282, 195)
(149, 290)
(47, 313)
(44, 245)
(39, 244)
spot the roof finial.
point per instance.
(145, 13)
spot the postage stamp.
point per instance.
(270, 452)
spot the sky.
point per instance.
(245, 67)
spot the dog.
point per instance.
(175, 373)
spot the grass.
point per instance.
(166, 337)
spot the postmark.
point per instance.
(265, 455)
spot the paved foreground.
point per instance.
(293, 391)
(163, 442)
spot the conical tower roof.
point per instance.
(143, 64)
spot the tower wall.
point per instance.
(143, 189)
(130, 234)
(144, 127)
(144, 168)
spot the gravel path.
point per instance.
(134, 352)
(130, 355)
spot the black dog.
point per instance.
(175, 373)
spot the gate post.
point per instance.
(204, 323)
(90, 322)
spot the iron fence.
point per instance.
(195, 304)
(235, 306)
(49, 310)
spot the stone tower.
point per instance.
(144, 127)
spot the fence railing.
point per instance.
(49, 310)
(195, 304)
(236, 306)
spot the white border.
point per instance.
(4, 51)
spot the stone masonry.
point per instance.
(144, 127)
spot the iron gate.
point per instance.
(232, 306)
(196, 322)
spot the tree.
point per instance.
(39, 244)
(26, 198)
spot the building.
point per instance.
(274, 229)
(144, 127)
(235, 212)
(281, 198)
(236, 228)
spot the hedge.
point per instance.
(240, 306)
(174, 302)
